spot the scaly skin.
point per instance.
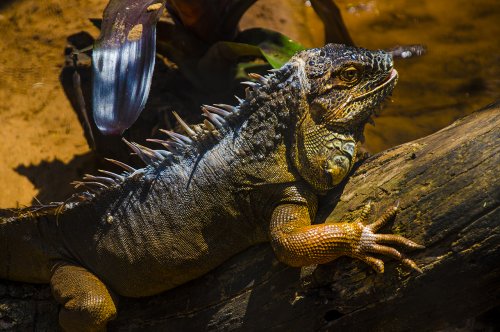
(250, 174)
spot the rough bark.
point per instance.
(448, 189)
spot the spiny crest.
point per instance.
(196, 139)
(33, 211)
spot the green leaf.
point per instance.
(275, 47)
(230, 51)
(256, 66)
(216, 66)
(182, 47)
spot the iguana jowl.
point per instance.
(251, 173)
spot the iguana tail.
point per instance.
(26, 249)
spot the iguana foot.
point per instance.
(298, 243)
(371, 243)
(87, 303)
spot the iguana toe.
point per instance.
(372, 243)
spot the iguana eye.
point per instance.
(350, 74)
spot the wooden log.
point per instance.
(448, 188)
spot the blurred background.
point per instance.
(44, 146)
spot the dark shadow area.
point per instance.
(488, 321)
(79, 41)
(328, 202)
(332, 315)
(5, 3)
(53, 178)
(260, 288)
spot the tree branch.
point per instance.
(448, 188)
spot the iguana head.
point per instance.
(341, 87)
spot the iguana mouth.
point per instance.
(392, 77)
(360, 108)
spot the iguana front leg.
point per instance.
(298, 243)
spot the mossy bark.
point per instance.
(448, 188)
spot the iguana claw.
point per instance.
(372, 243)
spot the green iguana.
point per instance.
(250, 173)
